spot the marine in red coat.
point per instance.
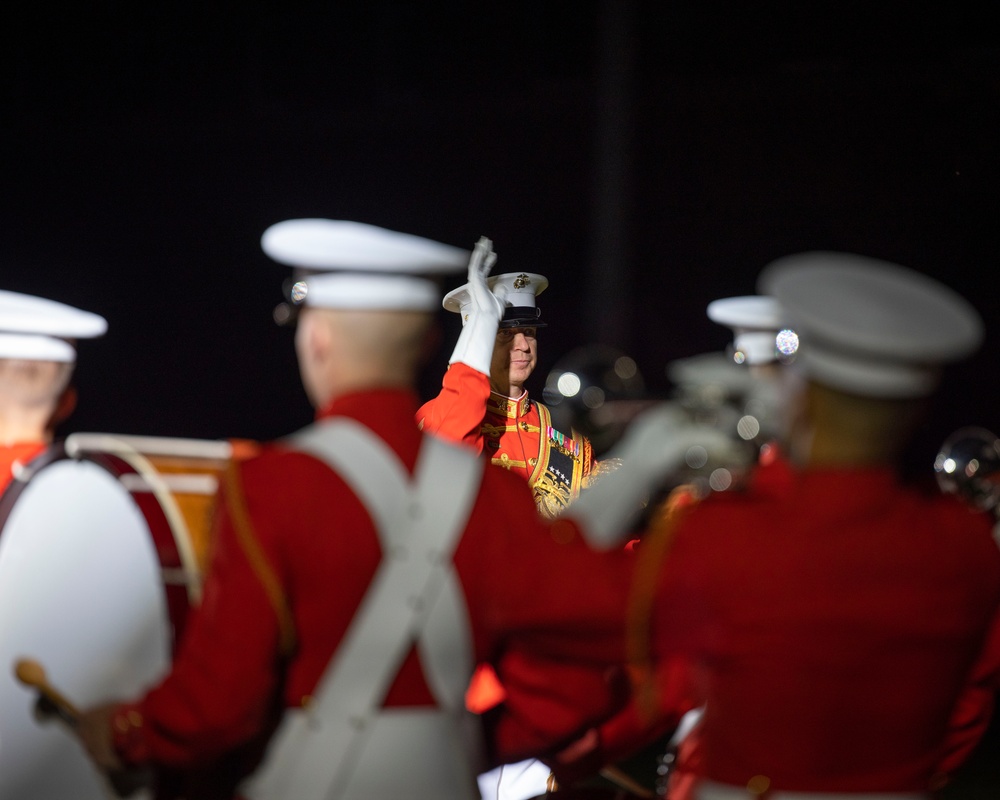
(838, 619)
(296, 552)
(484, 403)
(741, 392)
(37, 358)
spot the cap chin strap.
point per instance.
(345, 744)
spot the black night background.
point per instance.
(648, 157)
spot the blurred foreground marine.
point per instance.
(37, 356)
(748, 391)
(836, 620)
(741, 394)
(764, 348)
(362, 569)
(483, 402)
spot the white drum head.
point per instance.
(81, 593)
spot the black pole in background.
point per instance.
(610, 274)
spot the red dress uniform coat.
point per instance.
(276, 605)
(837, 618)
(516, 434)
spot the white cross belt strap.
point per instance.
(345, 745)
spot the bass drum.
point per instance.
(102, 543)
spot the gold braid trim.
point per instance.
(258, 561)
(652, 551)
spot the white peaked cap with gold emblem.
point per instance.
(871, 327)
(37, 329)
(755, 321)
(359, 266)
(518, 290)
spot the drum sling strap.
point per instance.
(413, 597)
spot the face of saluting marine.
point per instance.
(514, 357)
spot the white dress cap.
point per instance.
(755, 321)
(521, 290)
(361, 266)
(37, 329)
(871, 327)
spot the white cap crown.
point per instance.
(871, 327)
(361, 266)
(519, 290)
(37, 329)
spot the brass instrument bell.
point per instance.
(968, 465)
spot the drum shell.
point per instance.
(101, 602)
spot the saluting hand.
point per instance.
(482, 261)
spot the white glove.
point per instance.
(479, 332)
(482, 261)
(500, 296)
(658, 443)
